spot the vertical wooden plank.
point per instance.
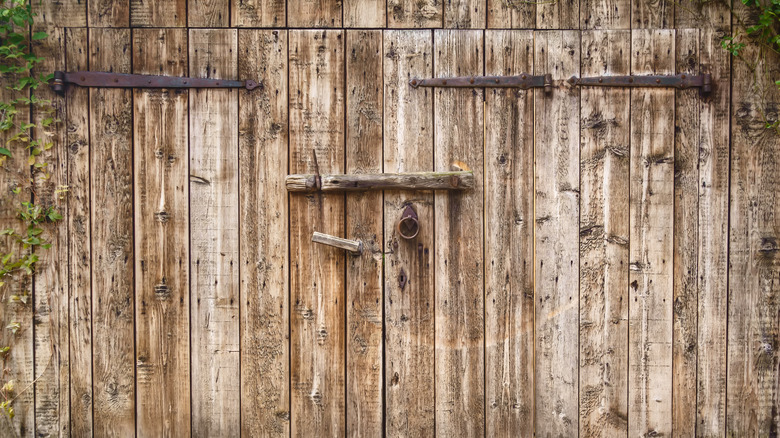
(509, 240)
(414, 13)
(258, 13)
(162, 237)
(459, 265)
(113, 346)
(652, 14)
(711, 15)
(314, 13)
(557, 189)
(364, 222)
(76, 120)
(754, 252)
(685, 241)
(317, 324)
(713, 238)
(465, 14)
(71, 13)
(208, 13)
(108, 13)
(263, 140)
(559, 14)
(511, 14)
(604, 229)
(214, 290)
(651, 247)
(409, 312)
(51, 279)
(158, 13)
(364, 13)
(605, 14)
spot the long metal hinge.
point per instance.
(120, 80)
(681, 81)
(523, 81)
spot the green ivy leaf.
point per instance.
(39, 36)
(6, 152)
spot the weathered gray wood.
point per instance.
(258, 13)
(604, 229)
(509, 239)
(459, 310)
(606, 14)
(409, 304)
(353, 246)
(653, 14)
(557, 185)
(415, 13)
(558, 14)
(457, 180)
(465, 14)
(651, 246)
(511, 14)
(710, 15)
(364, 13)
(314, 13)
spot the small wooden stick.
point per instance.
(455, 180)
(353, 246)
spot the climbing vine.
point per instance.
(22, 139)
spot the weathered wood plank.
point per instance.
(214, 290)
(314, 13)
(460, 391)
(559, 14)
(353, 246)
(108, 13)
(686, 236)
(651, 248)
(364, 222)
(754, 252)
(509, 241)
(262, 142)
(712, 15)
(713, 219)
(606, 14)
(208, 13)
(453, 180)
(465, 14)
(111, 170)
(514, 14)
(161, 237)
(364, 13)
(408, 270)
(604, 230)
(76, 120)
(71, 13)
(652, 14)
(51, 338)
(414, 13)
(258, 13)
(317, 324)
(158, 13)
(556, 236)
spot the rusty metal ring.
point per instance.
(409, 225)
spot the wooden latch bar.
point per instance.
(353, 246)
(456, 180)
(680, 81)
(122, 80)
(523, 81)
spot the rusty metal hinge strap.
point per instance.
(680, 81)
(523, 81)
(121, 80)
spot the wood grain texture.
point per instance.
(51, 337)
(113, 359)
(604, 230)
(409, 307)
(415, 13)
(686, 235)
(208, 13)
(652, 14)
(713, 238)
(559, 14)
(162, 237)
(317, 287)
(76, 120)
(465, 14)
(258, 13)
(606, 14)
(72, 13)
(459, 242)
(754, 252)
(710, 15)
(365, 13)
(158, 13)
(262, 155)
(557, 187)
(108, 13)
(511, 14)
(314, 13)
(214, 235)
(509, 239)
(652, 224)
(364, 222)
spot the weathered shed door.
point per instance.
(581, 288)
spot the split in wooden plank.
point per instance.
(161, 170)
(167, 13)
(214, 236)
(353, 246)
(113, 316)
(509, 239)
(455, 180)
(263, 221)
(408, 268)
